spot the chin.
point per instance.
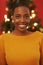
(22, 30)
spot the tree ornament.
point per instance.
(33, 28)
(30, 5)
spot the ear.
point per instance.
(12, 19)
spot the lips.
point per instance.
(22, 25)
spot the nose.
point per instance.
(22, 19)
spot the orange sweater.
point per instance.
(20, 50)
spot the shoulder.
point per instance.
(38, 34)
(5, 36)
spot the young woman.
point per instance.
(21, 47)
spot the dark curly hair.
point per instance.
(19, 4)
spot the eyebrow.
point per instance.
(27, 15)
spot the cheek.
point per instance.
(16, 20)
(28, 20)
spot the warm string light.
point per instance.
(28, 27)
(8, 31)
(32, 11)
(35, 24)
(5, 16)
(30, 17)
(33, 15)
(6, 19)
(6, 9)
(3, 32)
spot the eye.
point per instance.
(26, 16)
(17, 16)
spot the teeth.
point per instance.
(22, 26)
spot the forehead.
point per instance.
(21, 10)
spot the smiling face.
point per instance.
(21, 18)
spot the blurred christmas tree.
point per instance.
(7, 24)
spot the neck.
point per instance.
(21, 33)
